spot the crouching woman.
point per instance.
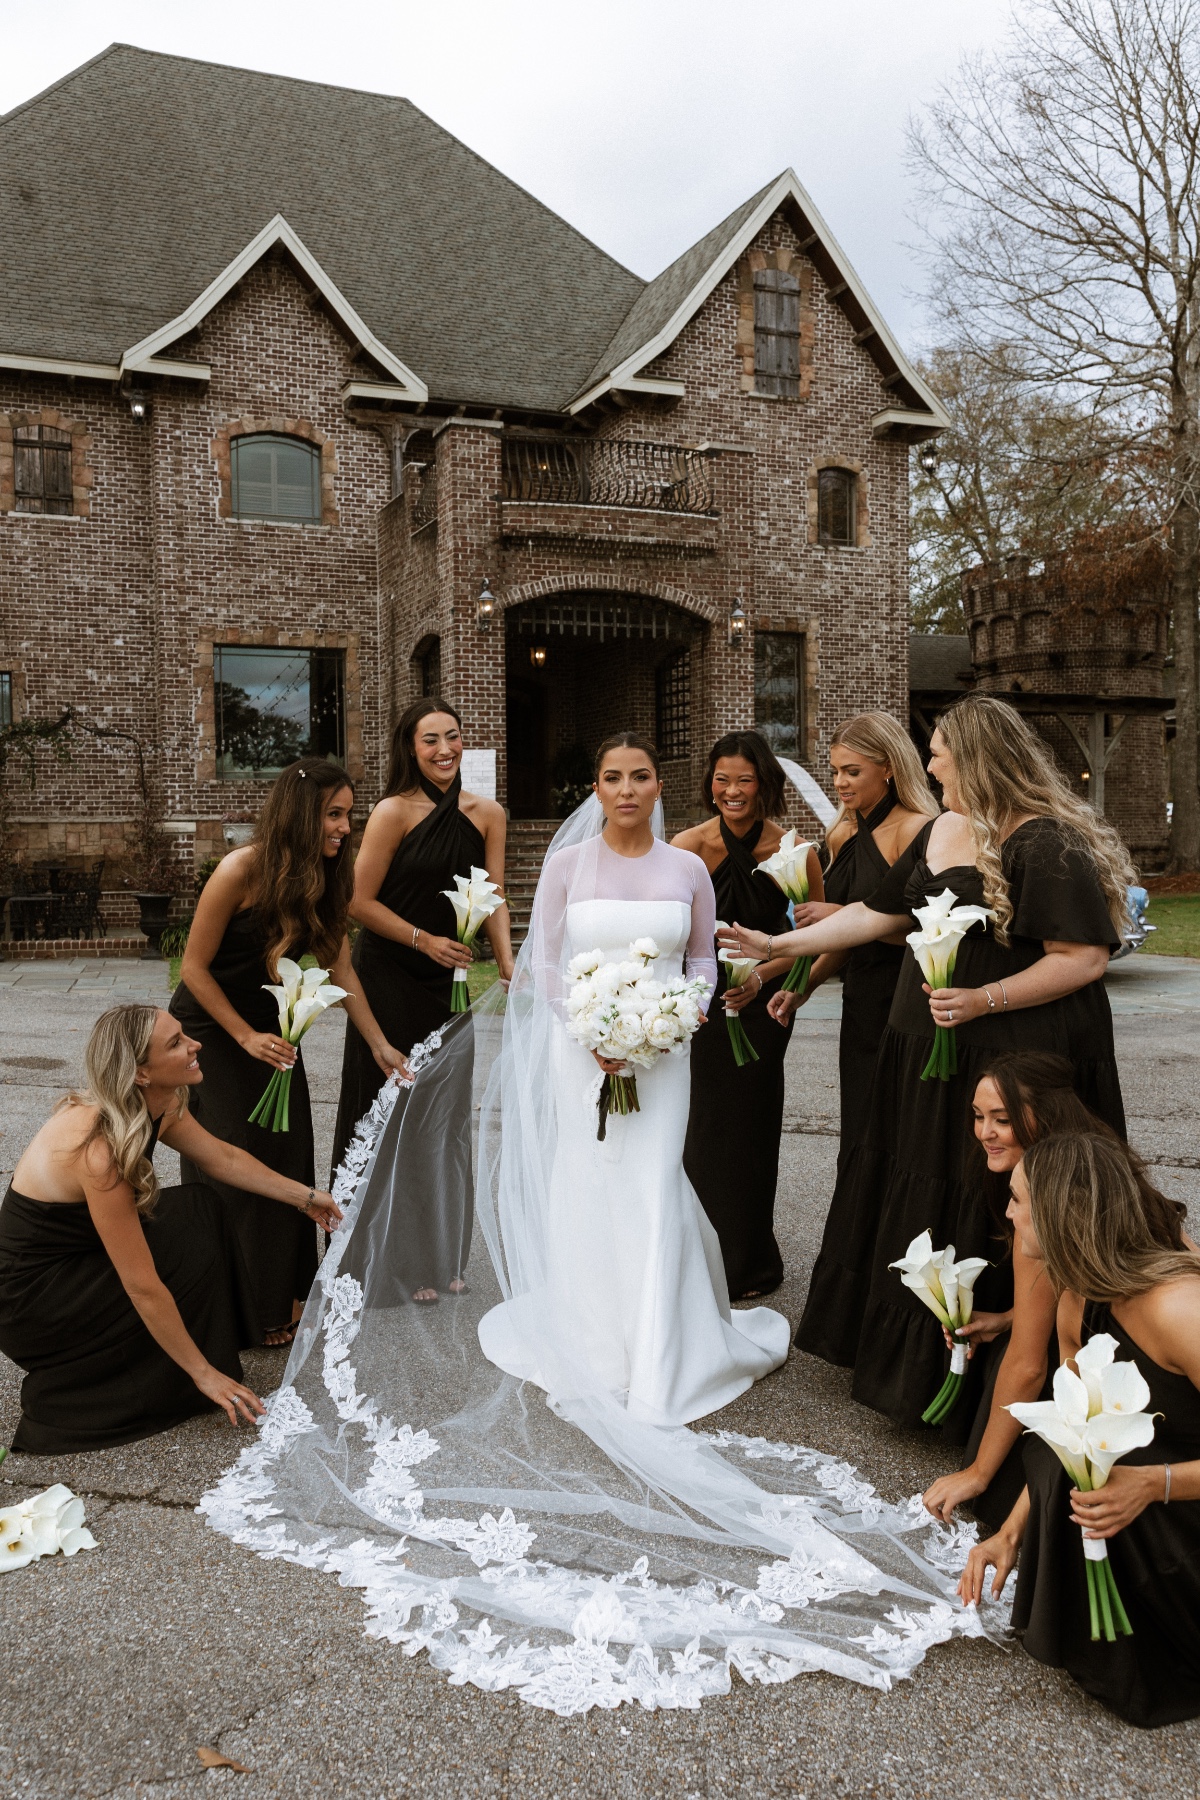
(127, 1304)
(1076, 1206)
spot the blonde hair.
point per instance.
(1091, 1222)
(1005, 772)
(118, 1046)
(882, 739)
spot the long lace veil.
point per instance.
(538, 1537)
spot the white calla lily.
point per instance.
(1123, 1389)
(291, 978)
(41, 1526)
(1109, 1436)
(1096, 1354)
(788, 868)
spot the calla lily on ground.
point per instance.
(788, 869)
(42, 1526)
(738, 970)
(943, 926)
(947, 1288)
(1095, 1417)
(474, 899)
(301, 995)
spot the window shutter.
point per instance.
(276, 478)
(777, 332)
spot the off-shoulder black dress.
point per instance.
(278, 1242)
(912, 1168)
(94, 1376)
(731, 1152)
(1153, 1677)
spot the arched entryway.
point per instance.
(582, 665)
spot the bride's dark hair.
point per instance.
(627, 740)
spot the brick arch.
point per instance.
(608, 583)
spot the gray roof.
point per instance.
(130, 185)
(938, 664)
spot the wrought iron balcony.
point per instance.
(607, 472)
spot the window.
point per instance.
(6, 716)
(777, 333)
(272, 706)
(779, 690)
(42, 459)
(275, 478)
(835, 507)
(429, 661)
(672, 712)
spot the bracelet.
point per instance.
(770, 948)
(312, 1194)
(759, 980)
(1166, 1483)
(1004, 992)
(416, 935)
(990, 1001)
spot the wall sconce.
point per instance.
(927, 456)
(485, 607)
(537, 656)
(1086, 775)
(737, 624)
(139, 406)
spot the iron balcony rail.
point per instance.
(607, 472)
(425, 505)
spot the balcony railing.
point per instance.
(425, 505)
(607, 472)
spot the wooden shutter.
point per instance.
(777, 332)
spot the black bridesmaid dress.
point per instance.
(731, 1152)
(278, 1242)
(1153, 1677)
(410, 995)
(912, 1168)
(869, 974)
(94, 1375)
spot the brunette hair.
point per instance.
(754, 748)
(1091, 1225)
(116, 1049)
(301, 896)
(626, 740)
(881, 739)
(1038, 1093)
(1004, 772)
(404, 773)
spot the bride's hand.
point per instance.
(745, 942)
(610, 1065)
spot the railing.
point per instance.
(607, 472)
(426, 504)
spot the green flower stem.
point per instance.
(1110, 1636)
(1093, 1608)
(943, 1058)
(1119, 1613)
(743, 1050)
(796, 979)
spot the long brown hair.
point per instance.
(1090, 1223)
(753, 748)
(404, 772)
(301, 896)
(1005, 772)
(118, 1046)
(627, 740)
(881, 739)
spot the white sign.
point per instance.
(479, 772)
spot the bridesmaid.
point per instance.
(1076, 1208)
(426, 830)
(285, 894)
(734, 1171)
(885, 800)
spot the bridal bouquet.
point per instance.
(1094, 1418)
(948, 1290)
(788, 869)
(738, 970)
(474, 899)
(302, 996)
(944, 924)
(625, 1014)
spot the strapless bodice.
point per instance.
(612, 925)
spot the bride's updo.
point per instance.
(627, 740)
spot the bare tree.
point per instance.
(1065, 177)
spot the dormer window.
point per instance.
(777, 333)
(274, 477)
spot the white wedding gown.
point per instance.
(629, 1245)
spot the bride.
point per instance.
(635, 1283)
(510, 1475)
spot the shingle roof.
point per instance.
(130, 185)
(938, 663)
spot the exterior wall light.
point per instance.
(485, 607)
(139, 406)
(537, 656)
(737, 624)
(927, 456)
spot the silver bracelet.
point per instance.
(312, 1194)
(990, 1001)
(1004, 991)
(1166, 1483)
(770, 947)
(416, 935)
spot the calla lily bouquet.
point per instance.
(788, 869)
(474, 899)
(944, 924)
(301, 996)
(42, 1526)
(738, 970)
(948, 1289)
(1094, 1418)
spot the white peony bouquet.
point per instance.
(947, 1288)
(301, 996)
(944, 925)
(788, 869)
(1094, 1418)
(624, 1013)
(474, 899)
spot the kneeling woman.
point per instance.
(125, 1304)
(1077, 1207)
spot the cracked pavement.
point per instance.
(119, 1662)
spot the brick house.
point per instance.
(306, 410)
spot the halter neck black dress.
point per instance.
(869, 974)
(409, 995)
(1153, 1677)
(278, 1242)
(94, 1375)
(914, 1166)
(731, 1152)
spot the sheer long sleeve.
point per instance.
(701, 957)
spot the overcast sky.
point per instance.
(642, 121)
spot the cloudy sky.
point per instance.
(642, 121)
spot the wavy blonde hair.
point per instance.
(118, 1046)
(1005, 772)
(1090, 1220)
(882, 739)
